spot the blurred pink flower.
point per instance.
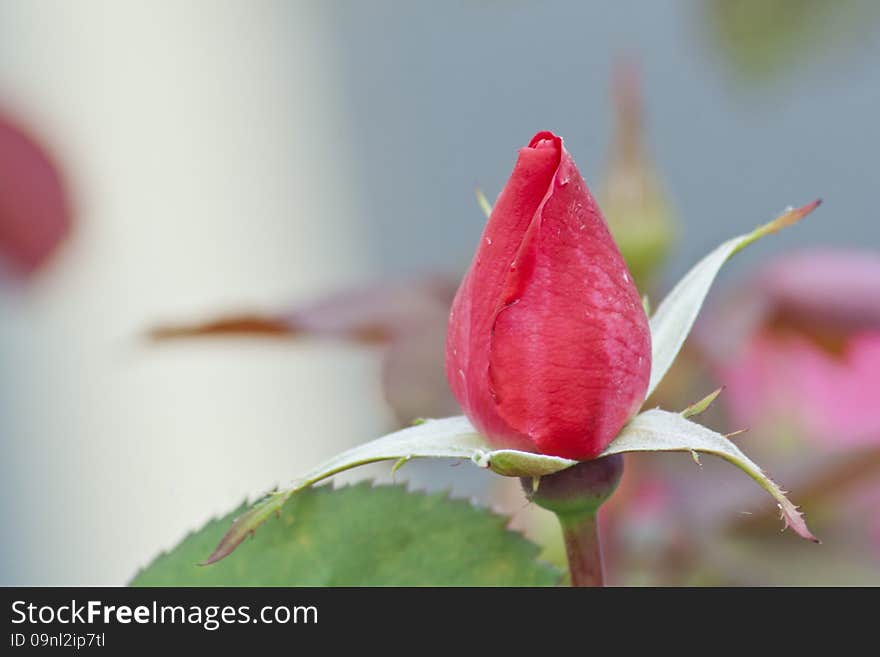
(35, 213)
(799, 347)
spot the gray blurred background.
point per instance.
(255, 154)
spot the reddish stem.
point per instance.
(584, 550)
(575, 495)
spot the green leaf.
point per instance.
(675, 316)
(362, 536)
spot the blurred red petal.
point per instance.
(35, 213)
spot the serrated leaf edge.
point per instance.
(500, 518)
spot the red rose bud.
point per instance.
(548, 348)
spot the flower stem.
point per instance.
(575, 495)
(584, 550)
